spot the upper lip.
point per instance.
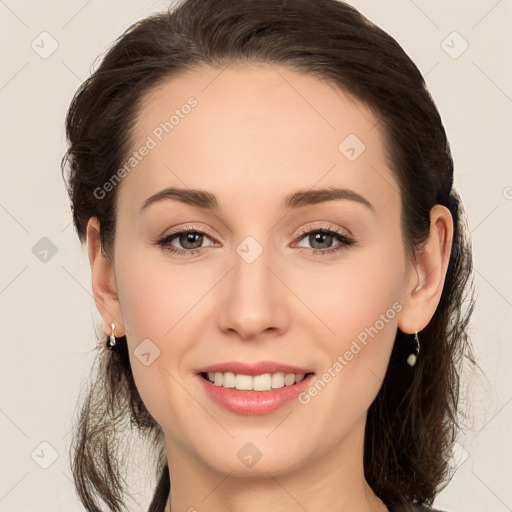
(258, 368)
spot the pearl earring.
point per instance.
(111, 342)
(411, 360)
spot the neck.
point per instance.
(372, 504)
(336, 477)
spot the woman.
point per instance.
(279, 257)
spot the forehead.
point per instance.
(255, 128)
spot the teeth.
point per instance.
(277, 380)
(241, 381)
(228, 380)
(264, 382)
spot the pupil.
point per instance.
(189, 238)
(317, 237)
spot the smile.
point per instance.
(253, 395)
(263, 382)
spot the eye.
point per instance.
(324, 237)
(191, 241)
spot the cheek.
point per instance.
(358, 307)
(160, 306)
(360, 293)
(155, 297)
(155, 320)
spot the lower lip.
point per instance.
(254, 403)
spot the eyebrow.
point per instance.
(299, 199)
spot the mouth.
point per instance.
(259, 383)
(250, 390)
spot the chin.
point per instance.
(249, 457)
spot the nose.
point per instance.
(254, 300)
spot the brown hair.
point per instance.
(412, 423)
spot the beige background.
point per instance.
(48, 317)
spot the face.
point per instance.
(276, 278)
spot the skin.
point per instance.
(259, 133)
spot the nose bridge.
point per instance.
(252, 298)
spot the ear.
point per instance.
(428, 274)
(103, 281)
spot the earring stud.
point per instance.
(411, 360)
(111, 342)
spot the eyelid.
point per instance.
(324, 227)
(188, 227)
(165, 240)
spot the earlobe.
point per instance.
(103, 280)
(429, 271)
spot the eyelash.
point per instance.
(344, 240)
